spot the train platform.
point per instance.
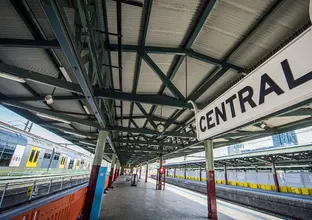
(144, 202)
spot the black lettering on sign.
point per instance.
(201, 127)
(291, 81)
(221, 114)
(247, 98)
(208, 118)
(231, 102)
(273, 87)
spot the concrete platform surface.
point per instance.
(144, 202)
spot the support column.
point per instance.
(174, 172)
(210, 181)
(200, 174)
(140, 171)
(225, 176)
(116, 171)
(97, 161)
(146, 172)
(160, 175)
(110, 180)
(275, 177)
(185, 173)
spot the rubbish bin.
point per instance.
(134, 180)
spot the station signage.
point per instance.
(282, 81)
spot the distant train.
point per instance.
(22, 153)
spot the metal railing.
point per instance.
(18, 191)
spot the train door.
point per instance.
(46, 159)
(33, 157)
(77, 164)
(55, 160)
(63, 161)
(17, 156)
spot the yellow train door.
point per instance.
(33, 157)
(62, 163)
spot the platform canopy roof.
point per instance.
(298, 156)
(127, 66)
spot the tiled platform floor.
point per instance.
(144, 202)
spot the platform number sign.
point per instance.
(29, 190)
(280, 83)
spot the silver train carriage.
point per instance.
(22, 153)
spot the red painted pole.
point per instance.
(160, 174)
(110, 179)
(116, 172)
(275, 177)
(99, 150)
(210, 181)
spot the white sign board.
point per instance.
(17, 156)
(282, 81)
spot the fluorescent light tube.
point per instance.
(52, 118)
(65, 74)
(86, 109)
(12, 77)
(73, 133)
(87, 143)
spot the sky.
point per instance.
(13, 119)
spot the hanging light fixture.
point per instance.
(263, 125)
(49, 98)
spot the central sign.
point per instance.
(283, 81)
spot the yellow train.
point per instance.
(22, 153)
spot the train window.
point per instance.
(6, 153)
(70, 165)
(47, 156)
(56, 157)
(32, 154)
(36, 156)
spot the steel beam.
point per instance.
(151, 143)
(142, 98)
(88, 134)
(152, 132)
(246, 36)
(63, 34)
(148, 117)
(143, 34)
(52, 113)
(188, 44)
(161, 75)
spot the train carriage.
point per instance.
(22, 153)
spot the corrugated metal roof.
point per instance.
(30, 59)
(288, 18)
(128, 65)
(218, 86)
(11, 25)
(131, 22)
(149, 82)
(19, 90)
(278, 121)
(196, 72)
(170, 21)
(226, 24)
(38, 12)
